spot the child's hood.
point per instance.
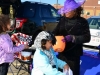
(40, 36)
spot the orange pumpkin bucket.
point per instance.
(60, 45)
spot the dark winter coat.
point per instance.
(77, 27)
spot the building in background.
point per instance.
(57, 6)
(91, 8)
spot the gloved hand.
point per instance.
(68, 38)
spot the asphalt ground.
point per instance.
(14, 71)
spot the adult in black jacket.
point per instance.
(75, 29)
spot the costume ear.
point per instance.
(35, 33)
(53, 37)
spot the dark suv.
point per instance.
(40, 15)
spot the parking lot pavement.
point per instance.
(25, 73)
(22, 72)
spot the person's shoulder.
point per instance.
(39, 54)
(4, 36)
(82, 19)
(62, 18)
(38, 57)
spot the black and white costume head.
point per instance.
(40, 36)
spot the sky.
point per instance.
(48, 1)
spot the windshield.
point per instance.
(94, 23)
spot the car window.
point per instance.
(45, 12)
(29, 11)
(54, 13)
(94, 23)
(25, 11)
(19, 12)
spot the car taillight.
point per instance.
(20, 22)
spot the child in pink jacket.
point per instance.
(7, 49)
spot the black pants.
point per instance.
(4, 68)
(73, 62)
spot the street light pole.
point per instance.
(57, 4)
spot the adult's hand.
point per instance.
(69, 38)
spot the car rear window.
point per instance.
(46, 12)
(19, 12)
(25, 11)
(94, 23)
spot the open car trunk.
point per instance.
(9, 7)
(5, 6)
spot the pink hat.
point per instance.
(70, 5)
